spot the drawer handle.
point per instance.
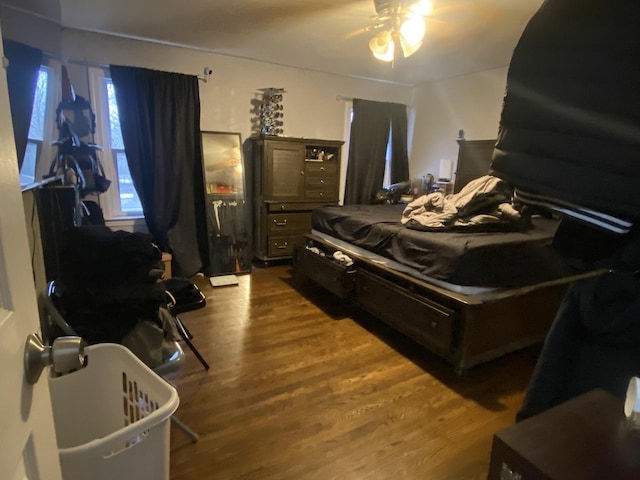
(282, 247)
(507, 474)
(321, 194)
(301, 173)
(321, 181)
(280, 224)
(282, 207)
(322, 169)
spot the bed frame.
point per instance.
(465, 330)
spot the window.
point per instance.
(121, 200)
(37, 129)
(128, 197)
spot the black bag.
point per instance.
(79, 165)
(92, 170)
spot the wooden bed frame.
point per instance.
(463, 329)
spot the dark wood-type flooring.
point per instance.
(302, 387)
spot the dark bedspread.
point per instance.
(502, 259)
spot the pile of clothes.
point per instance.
(110, 290)
(485, 203)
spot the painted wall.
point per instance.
(311, 109)
(437, 111)
(32, 30)
(471, 103)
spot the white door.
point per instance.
(27, 438)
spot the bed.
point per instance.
(467, 297)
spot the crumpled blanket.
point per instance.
(483, 201)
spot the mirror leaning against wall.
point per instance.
(226, 205)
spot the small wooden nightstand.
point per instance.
(586, 438)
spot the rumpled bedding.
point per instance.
(485, 203)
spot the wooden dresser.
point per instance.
(291, 176)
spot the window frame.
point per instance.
(110, 200)
(44, 148)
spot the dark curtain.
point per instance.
(22, 79)
(399, 154)
(368, 146)
(160, 122)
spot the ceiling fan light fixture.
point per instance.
(404, 27)
(422, 7)
(382, 46)
(408, 48)
(412, 30)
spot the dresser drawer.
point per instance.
(282, 246)
(292, 206)
(321, 194)
(320, 182)
(428, 323)
(324, 271)
(284, 223)
(321, 168)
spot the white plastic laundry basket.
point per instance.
(112, 418)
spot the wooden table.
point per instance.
(586, 438)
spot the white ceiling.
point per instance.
(463, 36)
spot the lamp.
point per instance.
(403, 26)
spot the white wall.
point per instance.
(310, 106)
(471, 103)
(228, 99)
(31, 30)
(439, 109)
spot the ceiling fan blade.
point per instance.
(407, 47)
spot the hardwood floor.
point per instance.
(299, 391)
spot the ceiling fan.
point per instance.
(401, 27)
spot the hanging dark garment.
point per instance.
(160, 121)
(569, 131)
(22, 79)
(229, 237)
